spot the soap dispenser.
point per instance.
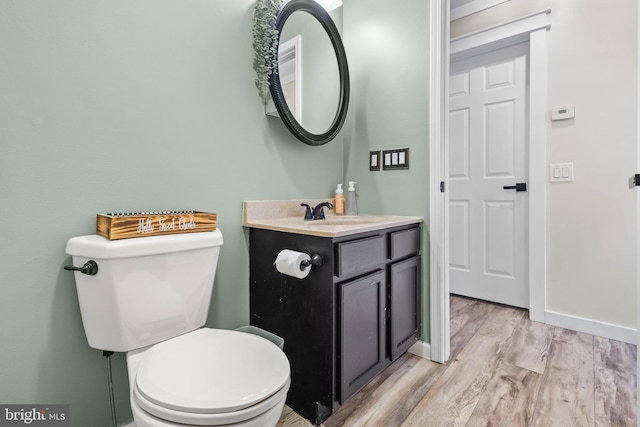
(338, 208)
(352, 208)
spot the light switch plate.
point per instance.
(561, 172)
(395, 159)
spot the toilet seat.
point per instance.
(211, 376)
(229, 418)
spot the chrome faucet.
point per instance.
(317, 213)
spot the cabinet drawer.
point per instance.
(405, 242)
(360, 255)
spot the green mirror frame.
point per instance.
(317, 11)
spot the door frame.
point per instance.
(438, 171)
(532, 28)
(637, 195)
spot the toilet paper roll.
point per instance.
(290, 263)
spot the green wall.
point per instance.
(125, 106)
(388, 49)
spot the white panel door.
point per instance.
(488, 151)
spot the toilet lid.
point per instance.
(212, 371)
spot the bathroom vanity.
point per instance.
(351, 316)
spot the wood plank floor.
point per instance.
(504, 370)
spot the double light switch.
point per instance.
(561, 172)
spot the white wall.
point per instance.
(591, 223)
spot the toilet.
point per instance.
(150, 298)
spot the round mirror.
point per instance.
(311, 89)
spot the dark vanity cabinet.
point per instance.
(348, 319)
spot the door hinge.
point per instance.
(442, 186)
(636, 179)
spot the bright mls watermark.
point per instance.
(35, 415)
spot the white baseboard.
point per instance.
(602, 329)
(421, 349)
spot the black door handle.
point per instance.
(521, 186)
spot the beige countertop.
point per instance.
(288, 216)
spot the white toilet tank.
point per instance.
(147, 289)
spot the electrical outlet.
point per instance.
(374, 160)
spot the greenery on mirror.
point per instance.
(265, 44)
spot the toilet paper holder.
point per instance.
(315, 260)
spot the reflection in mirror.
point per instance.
(290, 68)
(318, 75)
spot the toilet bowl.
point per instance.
(209, 377)
(149, 297)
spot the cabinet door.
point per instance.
(404, 305)
(363, 332)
